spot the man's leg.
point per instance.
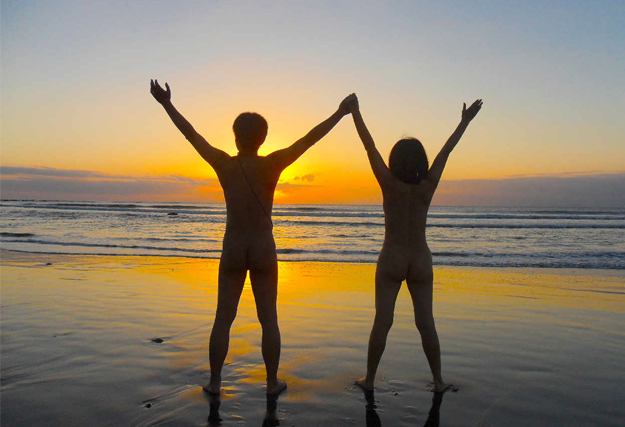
(264, 278)
(231, 280)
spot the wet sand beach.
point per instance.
(123, 341)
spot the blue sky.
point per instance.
(75, 76)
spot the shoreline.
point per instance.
(538, 270)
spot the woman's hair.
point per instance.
(408, 161)
(250, 130)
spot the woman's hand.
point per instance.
(469, 114)
(353, 104)
(345, 107)
(160, 94)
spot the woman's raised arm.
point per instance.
(438, 165)
(380, 170)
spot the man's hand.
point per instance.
(469, 114)
(160, 94)
(345, 107)
(353, 103)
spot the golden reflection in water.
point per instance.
(601, 290)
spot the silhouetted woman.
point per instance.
(408, 186)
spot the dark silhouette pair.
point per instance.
(249, 182)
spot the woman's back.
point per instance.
(405, 214)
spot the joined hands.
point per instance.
(346, 105)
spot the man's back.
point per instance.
(249, 182)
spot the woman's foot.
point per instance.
(275, 387)
(365, 384)
(442, 387)
(214, 385)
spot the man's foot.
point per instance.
(214, 386)
(276, 387)
(442, 387)
(365, 384)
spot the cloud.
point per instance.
(564, 190)
(50, 172)
(580, 190)
(50, 183)
(309, 177)
(286, 184)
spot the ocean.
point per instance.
(458, 236)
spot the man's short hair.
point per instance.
(250, 130)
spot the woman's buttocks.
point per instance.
(397, 259)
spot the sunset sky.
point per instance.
(78, 121)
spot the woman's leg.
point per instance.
(386, 290)
(422, 296)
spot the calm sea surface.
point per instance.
(462, 236)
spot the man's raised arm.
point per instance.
(438, 165)
(286, 156)
(212, 155)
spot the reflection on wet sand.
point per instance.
(373, 419)
(434, 416)
(270, 420)
(213, 417)
(371, 415)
